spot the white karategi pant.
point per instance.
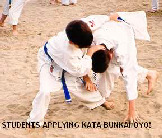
(15, 11)
(106, 80)
(155, 4)
(67, 2)
(50, 83)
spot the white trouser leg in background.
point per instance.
(65, 2)
(49, 84)
(6, 8)
(15, 11)
(155, 4)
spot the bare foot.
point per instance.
(152, 10)
(108, 105)
(15, 32)
(1, 24)
(2, 19)
(152, 78)
(54, 2)
(65, 4)
(72, 3)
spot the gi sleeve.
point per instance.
(74, 63)
(67, 56)
(79, 66)
(96, 21)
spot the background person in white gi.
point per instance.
(14, 13)
(119, 38)
(155, 5)
(67, 2)
(64, 2)
(65, 50)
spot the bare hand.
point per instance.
(91, 86)
(114, 17)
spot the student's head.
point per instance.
(100, 61)
(79, 33)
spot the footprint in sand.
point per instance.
(16, 108)
(157, 107)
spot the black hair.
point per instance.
(79, 33)
(100, 61)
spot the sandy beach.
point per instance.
(19, 79)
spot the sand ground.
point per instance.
(19, 80)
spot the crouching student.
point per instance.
(120, 58)
(62, 61)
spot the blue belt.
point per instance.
(66, 91)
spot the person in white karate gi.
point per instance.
(13, 9)
(65, 52)
(64, 2)
(120, 58)
(155, 6)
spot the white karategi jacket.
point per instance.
(68, 57)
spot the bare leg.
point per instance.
(15, 30)
(3, 18)
(152, 78)
(109, 105)
(52, 2)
